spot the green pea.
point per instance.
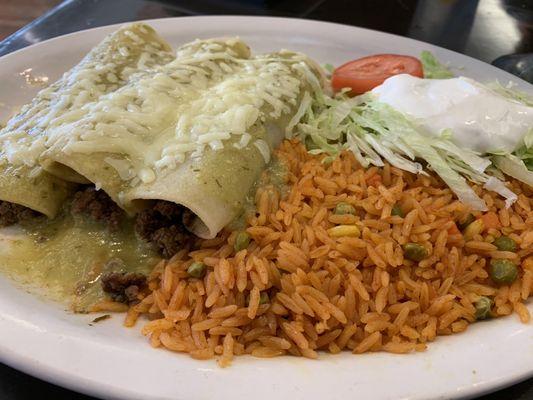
(483, 306)
(462, 224)
(344, 208)
(414, 251)
(503, 272)
(196, 270)
(263, 299)
(397, 211)
(242, 240)
(505, 243)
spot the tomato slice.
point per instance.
(366, 73)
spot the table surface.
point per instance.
(484, 29)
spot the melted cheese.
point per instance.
(151, 121)
(123, 56)
(207, 96)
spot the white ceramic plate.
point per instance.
(108, 361)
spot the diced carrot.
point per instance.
(454, 230)
(490, 220)
(374, 180)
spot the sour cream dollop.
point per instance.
(479, 118)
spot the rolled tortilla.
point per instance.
(33, 188)
(214, 187)
(215, 183)
(203, 129)
(121, 140)
(121, 57)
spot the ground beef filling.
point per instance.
(123, 287)
(163, 226)
(97, 205)
(11, 213)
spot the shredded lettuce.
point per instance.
(525, 154)
(433, 69)
(515, 167)
(329, 68)
(375, 132)
(499, 187)
(528, 142)
(519, 164)
(511, 93)
(438, 153)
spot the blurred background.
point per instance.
(484, 29)
(481, 27)
(14, 14)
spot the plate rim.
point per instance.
(80, 384)
(262, 17)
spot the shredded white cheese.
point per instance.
(212, 93)
(243, 142)
(103, 70)
(146, 175)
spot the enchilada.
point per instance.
(121, 57)
(197, 132)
